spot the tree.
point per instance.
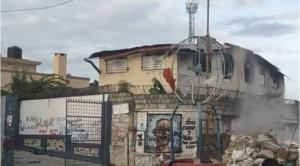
(95, 83)
(22, 83)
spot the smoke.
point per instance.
(259, 115)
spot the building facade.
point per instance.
(138, 66)
(9, 64)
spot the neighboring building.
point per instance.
(14, 61)
(252, 73)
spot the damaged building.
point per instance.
(252, 73)
(254, 88)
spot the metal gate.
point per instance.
(87, 132)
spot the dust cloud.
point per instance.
(258, 115)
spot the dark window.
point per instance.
(248, 73)
(227, 70)
(262, 79)
(274, 81)
(202, 61)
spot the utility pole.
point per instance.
(208, 48)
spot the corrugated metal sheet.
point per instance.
(153, 62)
(116, 66)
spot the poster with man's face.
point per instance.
(158, 134)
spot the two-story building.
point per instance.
(14, 61)
(139, 65)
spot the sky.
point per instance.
(268, 27)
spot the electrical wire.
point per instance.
(39, 8)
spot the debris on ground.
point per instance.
(249, 151)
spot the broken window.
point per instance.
(248, 74)
(153, 62)
(203, 62)
(274, 81)
(262, 77)
(229, 67)
(116, 65)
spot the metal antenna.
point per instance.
(191, 8)
(207, 18)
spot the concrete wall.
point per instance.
(135, 75)
(122, 130)
(46, 116)
(133, 144)
(242, 57)
(78, 82)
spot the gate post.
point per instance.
(9, 126)
(106, 132)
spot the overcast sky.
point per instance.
(82, 27)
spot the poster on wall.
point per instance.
(9, 118)
(158, 134)
(189, 132)
(121, 108)
(141, 121)
(140, 140)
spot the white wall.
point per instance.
(46, 116)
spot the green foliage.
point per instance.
(5, 92)
(123, 86)
(95, 83)
(22, 83)
(157, 87)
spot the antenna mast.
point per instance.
(191, 8)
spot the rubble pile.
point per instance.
(249, 151)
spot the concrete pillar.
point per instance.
(9, 125)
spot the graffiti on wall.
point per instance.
(118, 133)
(78, 128)
(40, 126)
(91, 152)
(158, 133)
(84, 129)
(189, 135)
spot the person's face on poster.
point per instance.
(162, 135)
